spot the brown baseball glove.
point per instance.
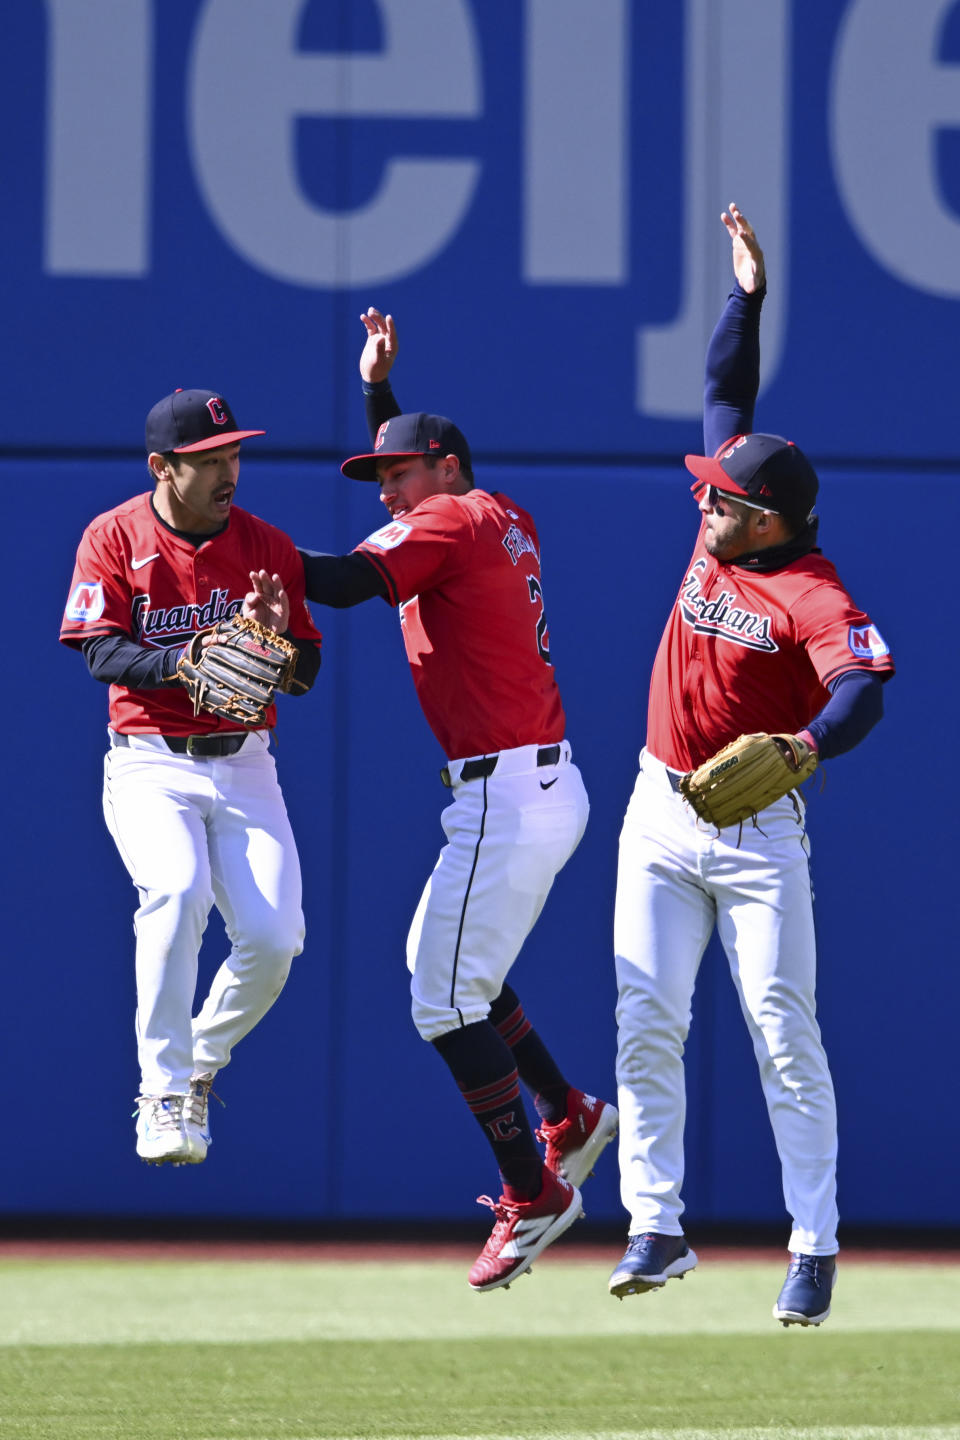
(746, 776)
(237, 676)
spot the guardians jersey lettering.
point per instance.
(465, 571)
(164, 627)
(708, 685)
(136, 577)
(722, 617)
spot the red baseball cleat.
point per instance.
(523, 1229)
(574, 1143)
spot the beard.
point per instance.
(734, 541)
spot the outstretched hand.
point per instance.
(267, 601)
(748, 264)
(380, 350)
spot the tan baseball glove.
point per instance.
(237, 676)
(746, 776)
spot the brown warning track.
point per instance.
(388, 1251)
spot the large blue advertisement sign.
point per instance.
(207, 192)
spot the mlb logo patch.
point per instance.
(86, 602)
(866, 642)
(390, 536)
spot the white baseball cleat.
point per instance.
(196, 1110)
(162, 1135)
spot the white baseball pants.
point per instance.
(194, 833)
(678, 879)
(508, 835)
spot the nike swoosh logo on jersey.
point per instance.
(139, 564)
(545, 784)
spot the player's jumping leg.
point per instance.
(536, 1206)
(771, 948)
(162, 840)
(506, 844)
(662, 922)
(575, 1127)
(257, 887)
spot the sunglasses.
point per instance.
(713, 496)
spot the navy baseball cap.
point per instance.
(192, 420)
(408, 435)
(767, 470)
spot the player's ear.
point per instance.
(159, 466)
(451, 472)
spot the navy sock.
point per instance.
(483, 1067)
(537, 1068)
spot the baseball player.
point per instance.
(762, 637)
(192, 801)
(463, 566)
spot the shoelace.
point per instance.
(554, 1135)
(641, 1244)
(505, 1215)
(195, 1104)
(167, 1110)
(808, 1265)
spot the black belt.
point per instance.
(674, 776)
(194, 744)
(480, 769)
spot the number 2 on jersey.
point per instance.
(543, 634)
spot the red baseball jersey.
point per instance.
(135, 576)
(745, 652)
(465, 570)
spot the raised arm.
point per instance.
(733, 354)
(376, 362)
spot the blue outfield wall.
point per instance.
(334, 1108)
(211, 192)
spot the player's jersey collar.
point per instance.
(775, 557)
(192, 539)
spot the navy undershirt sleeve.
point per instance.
(307, 667)
(340, 580)
(853, 709)
(380, 404)
(116, 659)
(732, 376)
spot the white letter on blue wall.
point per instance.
(576, 142)
(889, 97)
(249, 85)
(737, 99)
(96, 215)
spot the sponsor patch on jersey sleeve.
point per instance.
(866, 642)
(389, 536)
(86, 602)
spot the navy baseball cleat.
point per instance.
(805, 1297)
(574, 1143)
(650, 1261)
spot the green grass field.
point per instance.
(105, 1349)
